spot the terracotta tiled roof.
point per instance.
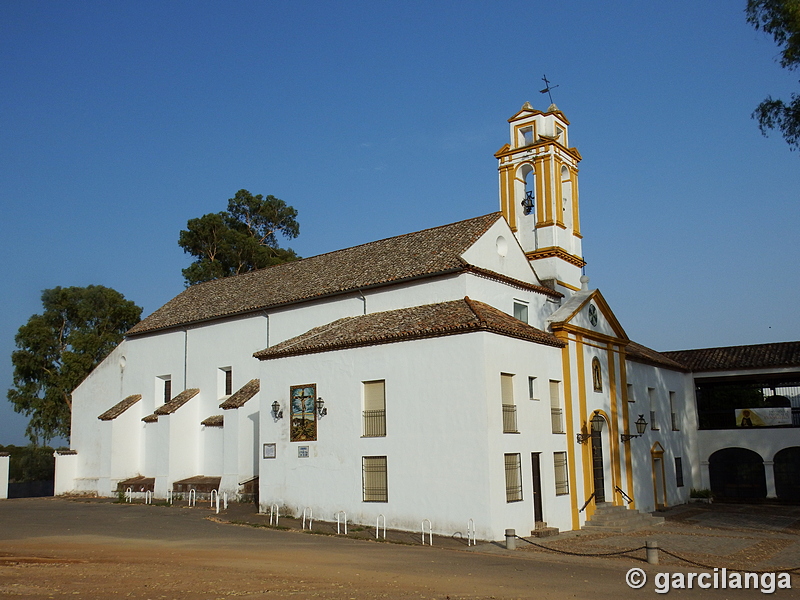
(430, 320)
(214, 421)
(120, 407)
(242, 395)
(170, 407)
(758, 356)
(406, 257)
(643, 354)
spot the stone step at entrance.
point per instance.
(618, 519)
(542, 530)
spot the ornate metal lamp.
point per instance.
(641, 426)
(596, 422)
(277, 413)
(321, 410)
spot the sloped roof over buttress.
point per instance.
(406, 257)
(418, 322)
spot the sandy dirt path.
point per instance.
(53, 548)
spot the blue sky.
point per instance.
(121, 121)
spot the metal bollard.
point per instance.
(651, 547)
(511, 539)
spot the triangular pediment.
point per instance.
(588, 312)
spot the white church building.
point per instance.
(461, 372)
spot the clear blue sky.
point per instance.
(119, 121)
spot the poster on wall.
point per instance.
(303, 400)
(763, 417)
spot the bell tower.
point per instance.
(539, 194)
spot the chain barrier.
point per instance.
(795, 570)
(580, 553)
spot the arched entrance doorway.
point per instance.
(737, 474)
(787, 474)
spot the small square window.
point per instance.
(521, 311)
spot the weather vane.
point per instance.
(547, 89)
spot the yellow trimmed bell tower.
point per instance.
(539, 194)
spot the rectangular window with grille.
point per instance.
(374, 409)
(374, 480)
(509, 407)
(167, 388)
(513, 478)
(678, 471)
(557, 421)
(560, 465)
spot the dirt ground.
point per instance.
(54, 548)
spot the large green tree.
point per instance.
(241, 239)
(780, 19)
(58, 348)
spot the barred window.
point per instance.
(557, 421)
(374, 409)
(509, 408)
(678, 471)
(560, 465)
(513, 478)
(374, 479)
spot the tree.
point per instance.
(79, 327)
(241, 239)
(780, 19)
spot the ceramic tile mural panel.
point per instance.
(303, 400)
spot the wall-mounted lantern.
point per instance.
(597, 421)
(321, 410)
(277, 413)
(641, 426)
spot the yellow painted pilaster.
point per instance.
(548, 188)
(586, 449)
(567, 384)
(623, 383)
(613, 438)
(559, 194)
(512, 200)
(540, 199)
(576, 225)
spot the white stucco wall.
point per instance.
(444, 442)
(4, 466)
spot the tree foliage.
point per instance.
(781, 20)
(58, 349)
(241, 239)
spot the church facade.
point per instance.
(461, 374)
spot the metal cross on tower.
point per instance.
(547, 88)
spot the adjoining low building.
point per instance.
(460, 374)
(748, 408)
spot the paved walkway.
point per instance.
(734, 536)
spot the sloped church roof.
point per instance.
(406, 257)
(418, 322)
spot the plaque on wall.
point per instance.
(269, 450)
(302, 452)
